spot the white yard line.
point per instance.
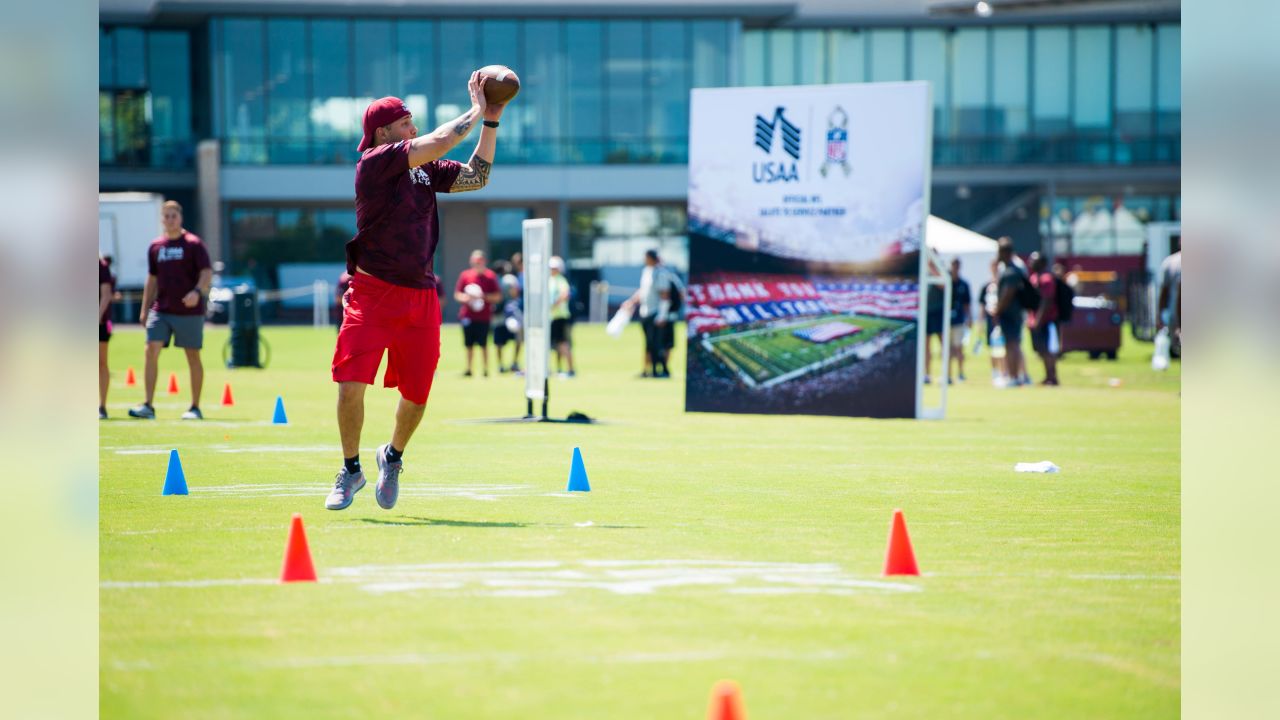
(549, 578)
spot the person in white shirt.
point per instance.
(654, 299)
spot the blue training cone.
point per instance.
(175, 483)
(578, 474)
(279, 418)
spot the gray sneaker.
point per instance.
(388, 487)
(345, 487)
(144, 411)
(193, 414)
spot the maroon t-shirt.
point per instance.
(397, 227)
(177, 264)
(105, 278)
(1045, 283)
(488, 282)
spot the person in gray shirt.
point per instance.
(654, 298)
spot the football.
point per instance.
(502, 85)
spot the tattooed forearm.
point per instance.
(474, 175)
(463, 126)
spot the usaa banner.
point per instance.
(806, 216)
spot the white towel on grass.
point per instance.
(1044, 466)
(619, 321)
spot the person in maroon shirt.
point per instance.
(477, 290)
(393, 305)
(1046, 339)
(106, 288)
(173, 305)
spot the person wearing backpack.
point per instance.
(1016, 297)
(659, 298)
(1046, 336)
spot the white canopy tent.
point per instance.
(974, 250)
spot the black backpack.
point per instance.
(677, 294)
(1064, 296)
(1028, 296)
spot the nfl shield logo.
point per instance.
(837, 145)
(837, 142)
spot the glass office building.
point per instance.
(1033, 116)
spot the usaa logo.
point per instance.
(772, 171)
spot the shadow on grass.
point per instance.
(427, 522)
(437, 522)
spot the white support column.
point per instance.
(209, 198)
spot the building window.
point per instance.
(243, 90)
(848, 56)
(1091, 103)
(616, 90)
(754, 58)
(617, 236)
(970, 91)
(668, 83)
(543, 97)
(584, 121)
(625, 74)
(1010, 63)
(1135, 101)
(782, 57)
(709, 43)
(506, 232)
(266, 239)
(144, 98)
(888, 55)
(335, 114)
(929, 63)
(289, 114)
(1051, 100)
(1169, 82)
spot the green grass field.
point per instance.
(719, 546)
(774, 351)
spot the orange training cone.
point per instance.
(173, 383)
(226, 395)
(726, 702)
(130, 379)
(900, 560)
(297, 557)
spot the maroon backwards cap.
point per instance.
(381, 113)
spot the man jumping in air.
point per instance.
(392, 304)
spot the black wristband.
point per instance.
(491, 123)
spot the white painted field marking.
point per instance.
(620, 577)
(548, 578)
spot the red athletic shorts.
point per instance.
(404, 321)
